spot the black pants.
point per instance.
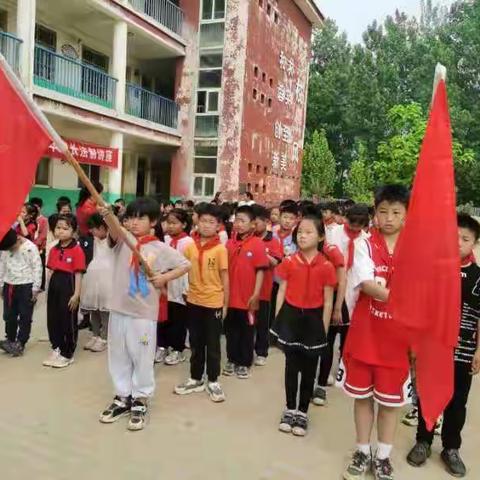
(62, 323)
(295, 363)
(262, 329)
(173, 332)
(17, 312)
(205, 329)
(455, 413)
(240, 337)
(326, 359)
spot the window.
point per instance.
(265, 170)
(249, 187)
(260, 3)
(264, 77)
(264, 189)
(276, 17)
(207, 101)
(211, 60)
(3, 20)
(92, 171)
(203, 186)
(256, 188)
(205, 160)
(96, 59)
(213, 9)
(262, 98)
(42, 177)
(255, 71)
(269, 9)
(45, 37)
(250, 166)
(258, 168)
(255, 94)
(271, 83)
(210, 79)
(269, 103)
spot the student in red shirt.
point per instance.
(274, 251)
(41, 236)
(66, 260)
(247, 261)
(375, 364)
(304, 309)
(86, 207)
(27, 222)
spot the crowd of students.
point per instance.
(295, 277)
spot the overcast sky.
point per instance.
(353, 16)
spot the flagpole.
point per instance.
(440, 74)
(63, 147)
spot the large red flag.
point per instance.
(23, 140)
(425, 287)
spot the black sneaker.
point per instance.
(300, 426)
(319, 397)
(287, 421)
(138, 413)
(453, 462)
(242, 372)
(6, 345)
(118, 409)
(17, 349)
(382, 469)
(419, 454)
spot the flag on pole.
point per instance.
(425, 290)
(23, 141)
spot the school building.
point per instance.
(169, 98)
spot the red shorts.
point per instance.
(390, 387)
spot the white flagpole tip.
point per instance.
(441, 72)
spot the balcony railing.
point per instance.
(150, 106)
(206, 126)
(162, 11)
(74, 78)
(10, 48)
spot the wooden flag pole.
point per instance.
(62, 146)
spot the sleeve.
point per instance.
(363, 268)
(284, 269)
(36, 265)
(170, 259)
(330, 275)
(260, 259)
(79, 264)
(223, 258)
(334, 255)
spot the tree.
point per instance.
(319, 169)
(359, 182)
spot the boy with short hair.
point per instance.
(375, 363)
(274, 251)
(207, 302)
(134, 309)
(329, 212)
(247, 261)
(467, 361)
(20, 284)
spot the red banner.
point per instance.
(88, 153)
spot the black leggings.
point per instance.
(298, 362)
(326, 359)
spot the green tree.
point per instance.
(359, 182)
(319, 169)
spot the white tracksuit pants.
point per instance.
(131, 353)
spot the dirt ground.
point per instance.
(49, 428)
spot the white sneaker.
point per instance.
(52, 358)
(260, 361)
(215, 392)
(190, 386)
(160, 355)
(90, 343)
(62, 362)
(99, 346)
(174, 358)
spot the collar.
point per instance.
(72, 244)
(267, 237)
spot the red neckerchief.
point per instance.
(378, 241)
(175, 239)
(282, 236)
(468, 260)
(352, 236)
(329, 221)
(239, 243)
(194, 234)
(213, 242)
(135, 262)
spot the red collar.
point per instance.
(469, 259)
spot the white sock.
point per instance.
(383, 450)
(364, 448)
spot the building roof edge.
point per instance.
(312, 11)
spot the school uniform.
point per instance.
(245, 257)
(65, 262)
(134, 307)
(205, 301)
(299, 325)
(273, 248)
(455, 414)
(173, 331)
(375, 361)
(20, 277)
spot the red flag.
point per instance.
(23, 141)
(425, 288)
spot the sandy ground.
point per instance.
(49, 427)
